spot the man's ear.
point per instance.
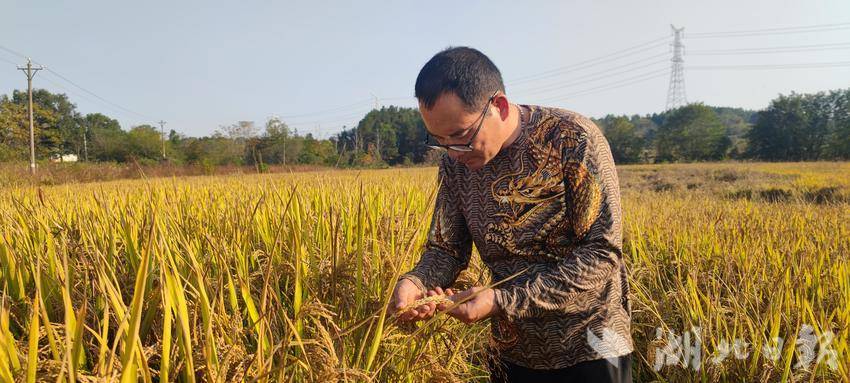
(501, 102)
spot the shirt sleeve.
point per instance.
(449, 244)
(592, 211)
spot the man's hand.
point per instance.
(481, 306)
(405, 293)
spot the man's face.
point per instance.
(450, 123)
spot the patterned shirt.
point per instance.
(548, 204)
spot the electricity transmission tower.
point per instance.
(676, 91)
(30, 71)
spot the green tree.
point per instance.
(691, 133)
(838, 141)
(273, 143)
(311, 152)
(626, 144)
(14, 137)
(235, 146)
(106, 140)
(778, 131)
(803, 127)
(144, 142)
(59, 130)
(174, 147)
(15, 126)
(391, 135)
(818, 109)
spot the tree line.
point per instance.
(795, 127)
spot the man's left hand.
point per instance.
(481, 306)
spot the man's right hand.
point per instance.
(405, 293)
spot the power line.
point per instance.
(85, 96)
(605, 89)
(779, 29)
(801, 48)
(351, 106)
(327, 121)
(613, 85)
(8, 61)
(326, 131)
(575, 68)
(351, 118)
(525, 83)
(14, 53)
(654, 43)
(53, 72)
(772, 31)
(69, 81)
(779, 49)
(771, 66)
(626, 65)
(600, 76)
(720, 53)
(88, 98)
(348, 107)
(323, 118)
(586, 63)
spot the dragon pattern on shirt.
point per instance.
(536, 200)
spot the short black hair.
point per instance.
(464, 71)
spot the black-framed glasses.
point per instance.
(468, 146)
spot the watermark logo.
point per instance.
(684, 350)
(610, 346)
(669, 349)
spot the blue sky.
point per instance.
(319, 64)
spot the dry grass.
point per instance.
(17, 174)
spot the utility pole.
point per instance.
(676, 91)
(30, 71)
(284, 147)
(356, 140)
(85, 143)
(378, 138)
(162, 136)
(339, 157)
(285, 136)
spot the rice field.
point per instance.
(739, 272)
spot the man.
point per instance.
(535, 190)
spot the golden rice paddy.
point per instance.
(285, 277)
